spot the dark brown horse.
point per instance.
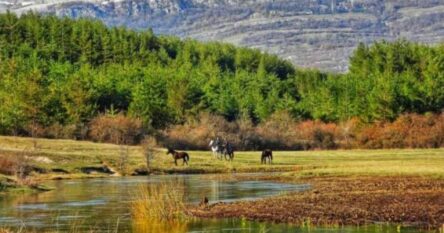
(179, 155)
(266, 154)
(228, 152)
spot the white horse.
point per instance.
(217, 149)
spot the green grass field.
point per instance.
(72, 155)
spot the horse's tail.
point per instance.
(187, 157)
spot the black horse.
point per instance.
(228, 152)
(179, 155)
(266, 154)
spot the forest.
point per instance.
(65, 78)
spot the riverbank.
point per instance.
(11, 185)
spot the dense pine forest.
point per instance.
(65, 78)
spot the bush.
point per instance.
(7, 165)
(58, 131)
(408, 131)
(117, 129)
(15, 165)
(196, 133)
(281, 132)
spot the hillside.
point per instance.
(320, 34)
(66, 78)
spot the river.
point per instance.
(102, 205)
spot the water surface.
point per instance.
(102, 205)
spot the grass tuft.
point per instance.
(161, 202)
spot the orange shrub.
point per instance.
(118, 129)
(281, 132)
(196, 133)
(408, 131)
(424, 131)
(7, 165)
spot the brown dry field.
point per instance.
(345, 201)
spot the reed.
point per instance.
(163, 202)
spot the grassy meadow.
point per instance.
(71, 156)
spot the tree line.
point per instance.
(62, 74)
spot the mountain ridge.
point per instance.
(317, 34)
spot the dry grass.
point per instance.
(345, 201)
(71, 155)
(161, 202)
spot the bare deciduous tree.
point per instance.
(149, 151)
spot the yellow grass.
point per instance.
(159, 202)
(71, 155)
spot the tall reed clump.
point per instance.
(163, 201)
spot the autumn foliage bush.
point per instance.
(118, 129)
(7, 165)
(408, 131)
(282, 132)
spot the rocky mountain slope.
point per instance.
(310, 33)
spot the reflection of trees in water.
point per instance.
(215, 188)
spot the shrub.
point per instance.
(118, 129)
(17, 165)
(408, 131)
(281, 132)
(371, 137)
(196, 133)
(7, 165)
(58, 131)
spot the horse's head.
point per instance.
(211, 143)
(170, 151)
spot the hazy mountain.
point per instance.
(311, 33)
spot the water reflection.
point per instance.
(101, 204)
(159, 226)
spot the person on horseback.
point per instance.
(217, 148)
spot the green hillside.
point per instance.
(62, 73)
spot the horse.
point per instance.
(228, 152)
(266, 154)
(217, 149)
(179, 155)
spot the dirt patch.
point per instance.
(346, 201)
(40, 159)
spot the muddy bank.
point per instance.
(345, 201)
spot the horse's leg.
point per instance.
(175, 161)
